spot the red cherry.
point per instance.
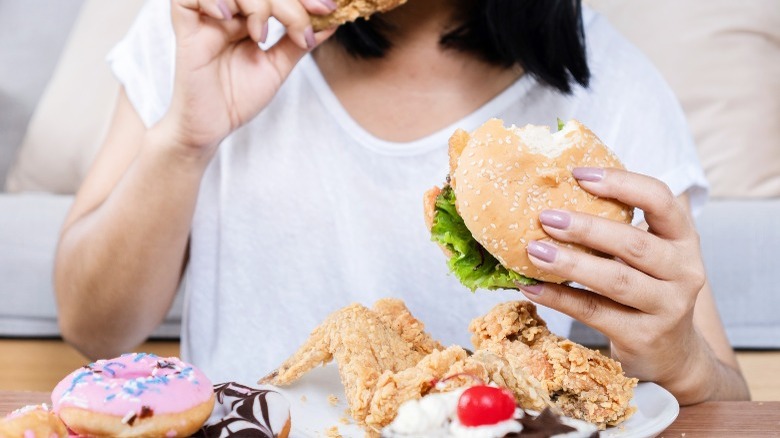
(481, 405)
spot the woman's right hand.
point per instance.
(223, 79)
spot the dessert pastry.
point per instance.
(351, 10)
(135, 394)
(243, 411)
(480, 411)
(34, 421)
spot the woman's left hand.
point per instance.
(642, 299)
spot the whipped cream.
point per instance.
(435, 416)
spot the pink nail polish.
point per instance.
(264, 33)
(593, 174)
(226, 14)
(532, 289)
(542, 251)
(330, 4)
(555, 218)
(308, 34)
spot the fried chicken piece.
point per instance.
(351, 10)
(394, 388)
(447, 370)
(582, 382)
(394, 314)
(365, 344)
(386, 358)
(528, 390)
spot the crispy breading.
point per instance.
(394, 313)
(386, 358)
(364, 345)
(582, 382)
(351, 10)
(394, 388)
(529, 391)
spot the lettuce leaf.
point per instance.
(472, 264)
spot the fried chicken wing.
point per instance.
(394, 313)
(362, 345)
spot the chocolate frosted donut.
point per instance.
(247, 411)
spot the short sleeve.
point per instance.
(143, 61)
(634, 111)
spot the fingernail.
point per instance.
(226, 14)
(264, 33)
(308, 34)
(543, 251)
(531, 289)
(555, 218)
(330, 4)
(593, 174)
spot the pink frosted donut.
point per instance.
(34, 421)
(136, 394)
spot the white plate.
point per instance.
(318, 403)
(656, 410)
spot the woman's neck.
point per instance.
(418, 87)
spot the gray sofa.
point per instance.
(32, 35)
(740, 237)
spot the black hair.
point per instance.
(544, 37)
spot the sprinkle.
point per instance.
(109, 367)
(129, 418)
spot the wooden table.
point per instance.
(727, 419)
(712, 419)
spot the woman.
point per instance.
(285, 185)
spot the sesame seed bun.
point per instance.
(351, 10)
(504, 177)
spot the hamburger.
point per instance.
(499, 180)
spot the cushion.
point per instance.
(28, 239)
(722, 59)
(739, 241)
(31, 38)
(73, 114)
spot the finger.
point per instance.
(209, 8)
(638, 248)
(286, 53)
(290, 13)
(257, 12)
(663, 213)
(610, 278)
(591, 309)
(319, 7)
(211, 13)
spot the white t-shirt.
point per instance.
(302, 211)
